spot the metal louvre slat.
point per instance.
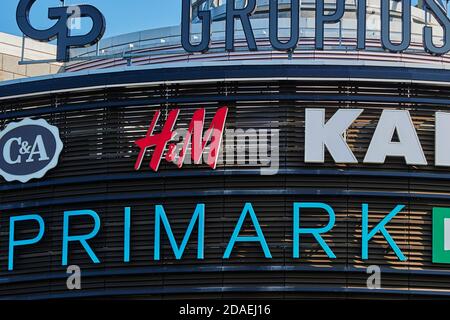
(99, 141)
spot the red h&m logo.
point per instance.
(194, 136)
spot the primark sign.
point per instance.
(65, 15)
(395, 136)
(35, 145)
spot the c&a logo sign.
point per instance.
(29, 149)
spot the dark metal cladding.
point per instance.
(99, 125)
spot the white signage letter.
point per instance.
(319, 134)
(7, 151)
(442, 142)
(409, 147)
(40, 147)
(446, 234)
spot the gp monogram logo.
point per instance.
(61, 29)
(29, 149)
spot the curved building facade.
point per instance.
(103, 107)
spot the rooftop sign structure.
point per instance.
(243, 14)
(237, 12)
(61, 29)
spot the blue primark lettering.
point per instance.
(199, 215)
(316, 232)
(15, 243)
(126, 235)
(80, 238)
(380, 227)
(248, 208)
(197, 222)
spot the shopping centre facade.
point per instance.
(350, 163)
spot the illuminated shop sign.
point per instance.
(194, 135)
(441, 235)
(162, 228)
(63, 15)
(29, 149)
(320, 134)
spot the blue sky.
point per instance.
(122, 16)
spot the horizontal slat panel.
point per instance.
(99, 141)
